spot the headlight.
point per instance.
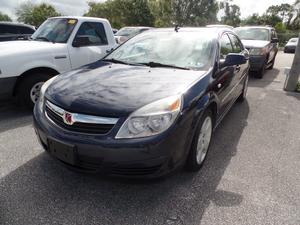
(42, 93)
(257, 51)
(151, 119)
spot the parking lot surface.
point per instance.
(251, 176)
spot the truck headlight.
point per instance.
(257, 51)
(151, 119)
(41, 100)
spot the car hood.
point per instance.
(116, 90)
(291, 44)
(255, 43)
(19, 47)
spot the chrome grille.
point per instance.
(81, 123)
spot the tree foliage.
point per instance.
(35, 14)
(232, 14)
(4, 17)
(156, 12)
(123, 12)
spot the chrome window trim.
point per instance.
(81, 118)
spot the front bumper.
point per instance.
(138, 158)
(290, 49)
(257, 62)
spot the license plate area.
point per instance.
(62, 151)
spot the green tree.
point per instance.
(232, 14)
(123, 12)
(4, 17)
(35, 14)
(162, 12)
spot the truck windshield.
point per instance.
(57, 30)
(253, 33)
(188, 50)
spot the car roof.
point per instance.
(264, 27)
(81, 18)
(17, 24)
(216, 30)
(138, 27)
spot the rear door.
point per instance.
(274, 46)
(94, 50)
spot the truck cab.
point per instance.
(59, 45)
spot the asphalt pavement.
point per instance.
(251, 176)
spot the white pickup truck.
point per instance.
(59, 45)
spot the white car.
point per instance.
(291, 46)
(59, 45)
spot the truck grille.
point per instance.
(81, 123)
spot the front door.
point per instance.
(96, 47)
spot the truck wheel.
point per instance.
(201, 142)
(272, 63)
(28, 90)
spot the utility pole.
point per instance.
(293, 76)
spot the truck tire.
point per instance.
(28, 90)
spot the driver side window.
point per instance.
(226, 46)
(94, 32)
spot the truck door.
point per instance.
(89, 44)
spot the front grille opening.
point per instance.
(79, 127)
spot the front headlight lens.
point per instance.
(41, 100)
(151, 119)
(257, 51)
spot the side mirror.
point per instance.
(233, 59)
(81, 41)
(275, 40)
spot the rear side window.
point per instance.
(236, 44)
(226, 46)
(7, 29)
(94, 31)
(25, 30)
(274, 35)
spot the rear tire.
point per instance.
(29, 88)
(243, 95)
(201, 142)
(272, 63)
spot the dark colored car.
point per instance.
(128, 32)
(262, 43)
(291, 46)
(147, 108)
(15, 31)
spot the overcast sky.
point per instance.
(78, 7)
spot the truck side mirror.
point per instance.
(275, 40)
(81, 41)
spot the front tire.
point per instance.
(28, 90)
(201, 142)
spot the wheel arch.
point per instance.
(44, 70)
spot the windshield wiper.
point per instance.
(122, 62)
(43, 38)
(156, 64)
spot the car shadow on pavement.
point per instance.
(270, 76)
(43, 192)
(13, 116)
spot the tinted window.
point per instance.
(95, 33)
(226, 46)
(236, 44)
(7, 29)
(274, 35)
(25, 30)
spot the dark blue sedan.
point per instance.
(148, 107)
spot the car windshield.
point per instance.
(128, 32)
(188, 50)
(56, 30)
(253, 34)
